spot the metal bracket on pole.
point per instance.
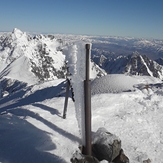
(87, 91)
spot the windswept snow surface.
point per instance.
(117, 83)
(32, 128)
(113, 84)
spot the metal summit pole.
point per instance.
(87, 98)
(66, 99)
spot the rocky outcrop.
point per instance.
(106, 146)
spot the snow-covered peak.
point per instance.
(135, 64)
(22, 54)
(17, 32)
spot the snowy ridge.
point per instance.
(134, 64)
(149, 72)
(37, 56)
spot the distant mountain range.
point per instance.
(134, 64)
(116, 46)
(28, 58)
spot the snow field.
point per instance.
(136, 118)
(64, 133)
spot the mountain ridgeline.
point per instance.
(134, 64)
(29, 59)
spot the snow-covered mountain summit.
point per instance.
(36, 56)
(29, 59)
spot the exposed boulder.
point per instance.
(107, 146)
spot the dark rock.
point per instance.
(106, 146)
(80, 158)
(121, 158)
(147, 161)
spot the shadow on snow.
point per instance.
(25, 113)
(22, 142)
(15, 100)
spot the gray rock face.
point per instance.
(106, 146)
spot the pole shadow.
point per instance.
(25, 113)
(21, 142)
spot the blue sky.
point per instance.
(135, 18)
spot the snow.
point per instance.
(13, 71)
(113, 84)
(31, 125)
(117, 83)
(103, 135)
(22, 49)
(33, 116)
(151, 74)
(17, 33)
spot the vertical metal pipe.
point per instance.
(66, 99)
(87, 46)
(87, 92)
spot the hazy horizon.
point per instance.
(140, 19)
